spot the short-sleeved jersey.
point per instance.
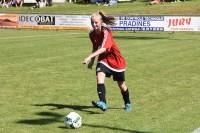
(112, 58)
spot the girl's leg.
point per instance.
(124, 91)
(125, 95)
(101, 90)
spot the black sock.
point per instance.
(101, 90)
(125, 95)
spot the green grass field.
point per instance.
(42, 79)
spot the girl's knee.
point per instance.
(122, 85)
(100, 77)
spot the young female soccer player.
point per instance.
(110, 61)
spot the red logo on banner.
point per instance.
(179, 22)
(8, 20)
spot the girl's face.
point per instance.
(96, 23)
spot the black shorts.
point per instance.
(117, 76)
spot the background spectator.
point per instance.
(6, 3)
(50, 2)
(18, 3)
(40, 4)
(152, 2)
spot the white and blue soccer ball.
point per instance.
(72, 120)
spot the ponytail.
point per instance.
(108, 20)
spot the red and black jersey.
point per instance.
(112, 58)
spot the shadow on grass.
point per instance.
(82, 108)
(52, 117)
(109, 128)
(74, 107)
(48, 118)
(114, 128)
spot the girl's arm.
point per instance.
(93, 55)
(90, 64)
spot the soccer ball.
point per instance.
(72, 120)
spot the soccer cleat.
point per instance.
(128, 107)
(100, 105)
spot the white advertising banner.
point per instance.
(77, 22)
(73, 21)
(182, 23)
(140, 23)
(54, 21)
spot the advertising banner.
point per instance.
(83, 22)
(140, 23)
(54, 21)
(8, 20)
(182, 23)
(79, 21)
(36, 21)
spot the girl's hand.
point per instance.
(86, 61)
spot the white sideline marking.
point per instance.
(22, 37)
(196, 130)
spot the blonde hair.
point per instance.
(109, 20)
